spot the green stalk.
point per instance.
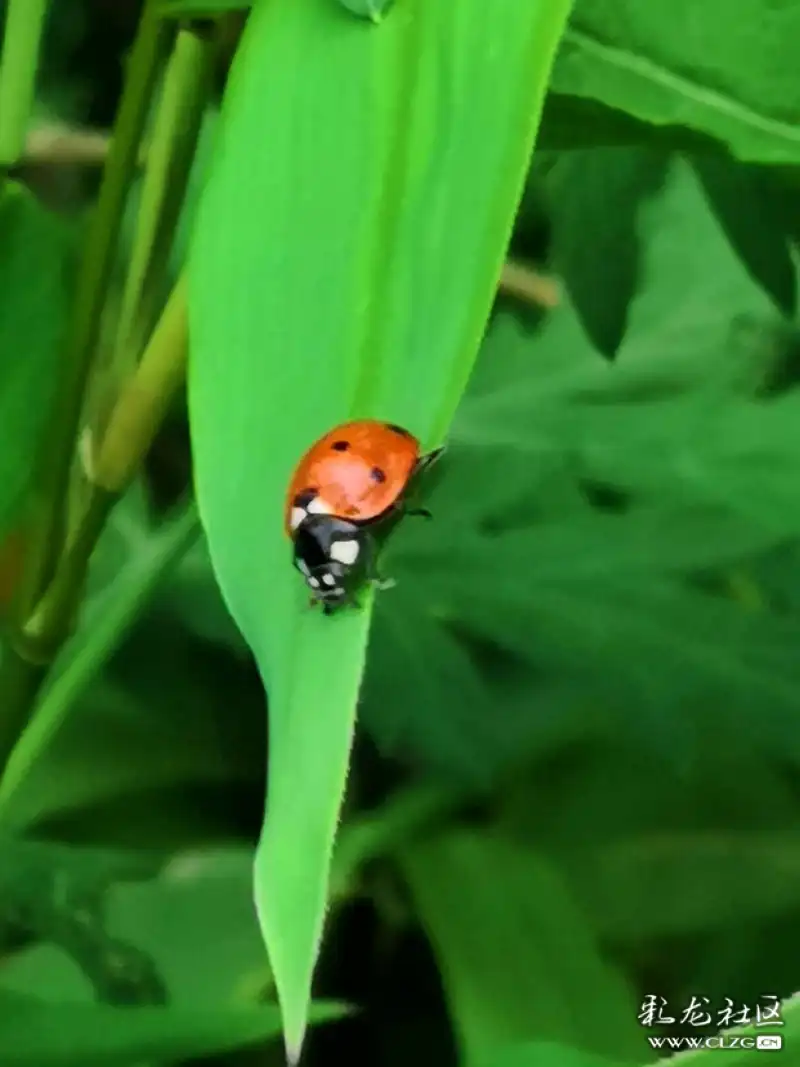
(19, 62)
(134, 422)
(27, 654)
(169, 160)
(58, 449)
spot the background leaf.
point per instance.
(496, 916)
(107, 618)
(35, 1032)
(34, 248)
(580, 186)
(763, 247)
(672, 65)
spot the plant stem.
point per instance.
(528, 284)
(31, 646)
(49, 505)
(135, 418)
(23, 679)
(19, 63)
(131, 428)
(143, 402)
(134, 421)
(169, 161)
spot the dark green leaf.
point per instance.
(672, 884)
(672, 63)
(577, 122)
(595, 196)
(661, 655)
(435, 686)
(107, 617)
(33, 290)
(541, 1054)
(37, 1033)
(498, 917)
(680, 336)
(191, 595)
(159, 727)
(201, 8)
(750, 218)
(168, 918)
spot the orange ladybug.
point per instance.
(348, 483)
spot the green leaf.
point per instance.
(440, 710)
(39, 1033)
(442, 695)
(781, 186)
(757, 234)
(386, 829)
(550, 389)
(33, 291)
(433, 716)
(541, 1054)
(192, 597)
(583, 545)
(665, 655)
(703, 478)
(498, 917)
(423, 129)
(201, 8)
(700, 333)
(671, 63)
(652, 854)
(107, 617)
(573, 122)
(595, 197)
(639, 887)
(136, 729)
(216, 993)
(167, 917)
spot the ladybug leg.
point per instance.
(371, 567)
(424, 463)
(421, 512)
(427, 461)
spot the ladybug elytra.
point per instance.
(348, 484)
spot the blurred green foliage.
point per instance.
(590, 656)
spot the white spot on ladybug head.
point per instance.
(317, 506)
(297, 516)
(313, 582)
(345, 552)
(303, 567)
(328, 579)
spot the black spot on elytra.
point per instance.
(377, 475)
(303, 499)
(340, 446)
(397, 429)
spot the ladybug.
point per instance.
(346, 487)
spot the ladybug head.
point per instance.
(327, 552)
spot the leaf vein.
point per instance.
(651, 71)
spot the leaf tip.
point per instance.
(294, 1049)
